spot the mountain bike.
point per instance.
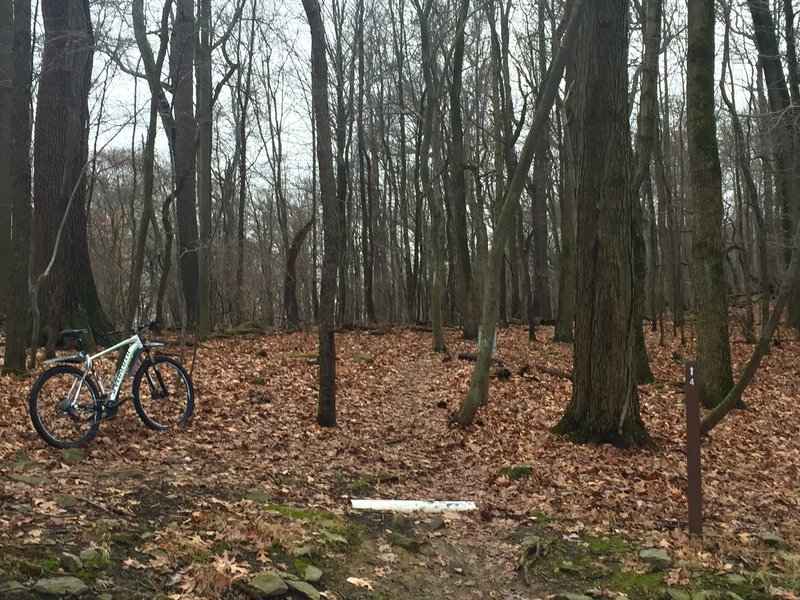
(69, 400)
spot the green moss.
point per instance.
(303, 355)
(638, 585)
(50, 562)
(363, 358)
(98, 561)
(85, 576)
(299, 565)
(605, 544)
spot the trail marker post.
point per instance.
(694, 494)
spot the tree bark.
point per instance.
(181, 74)
(708, 276)
(69, 295)
(465, 284)
(542, 305)
(205, 141)
(290, 280)
(6, 100)
(645, 138)
(18, 324)
(326, 412)
(604, 407)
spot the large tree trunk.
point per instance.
(326, 412)
(604, 407)
(181, 71)
(6, 100)
(708, 276)
(18, 324)
(68, 294)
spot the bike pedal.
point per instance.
(110, 412)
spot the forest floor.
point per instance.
(251, 484)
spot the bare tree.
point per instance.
(185, 128)
(326, 413)
(479, 384)
(69, 294)
(604, 407)
(708, 277)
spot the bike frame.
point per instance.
(135, 346)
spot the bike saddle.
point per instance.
(73, 332)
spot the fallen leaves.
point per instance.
(188, 487)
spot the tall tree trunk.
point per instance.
(542, 306)
(69, 295)
(153, 66)
(427, 182)
(465, 284)
(6, 100)
(18, 324)
(604, 407)
(181, 74)
(326, 412)
(645, 138)
(479, 383)
(708, 276)
(243, 101)
(566, 260)
(205, 132)
(409, 262)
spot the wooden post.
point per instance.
(694, 495)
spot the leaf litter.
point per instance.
(252, 479)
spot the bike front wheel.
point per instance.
(162, 393)
(64, 407)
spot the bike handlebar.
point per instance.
(153, 326)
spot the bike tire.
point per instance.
(167, 397)
(60, 423)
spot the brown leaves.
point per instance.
(253, 443)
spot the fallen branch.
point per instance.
(554, 372)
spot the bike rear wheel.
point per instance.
(162, 393)
(64, 407)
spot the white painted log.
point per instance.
(412, 505)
